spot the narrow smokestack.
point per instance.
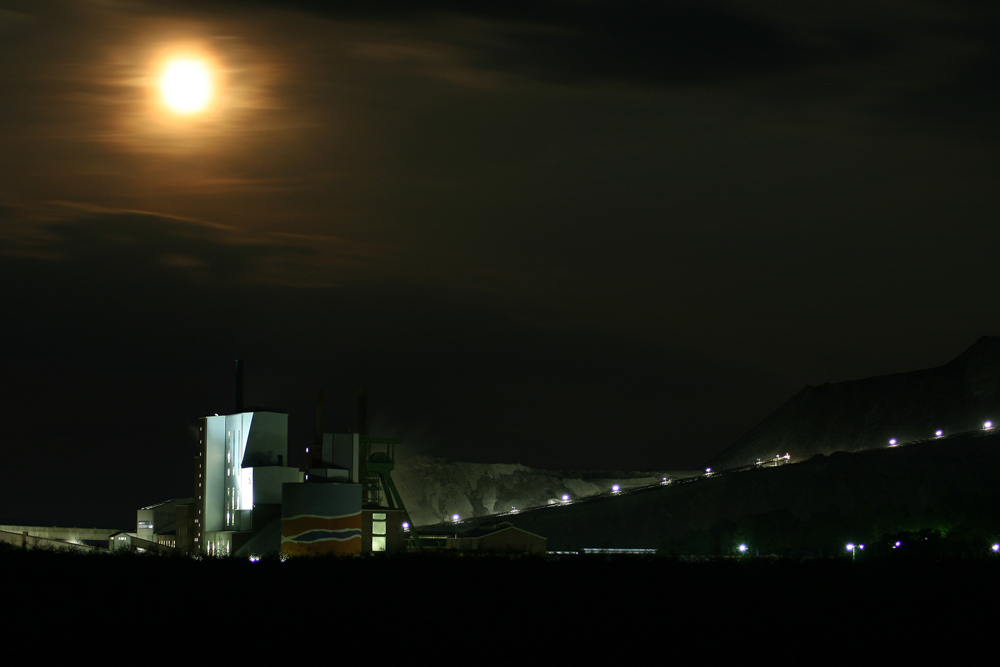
(239, 386)
(362, 412)
(317, 448)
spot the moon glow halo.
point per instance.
(186, 86)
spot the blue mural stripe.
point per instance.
(324, 535)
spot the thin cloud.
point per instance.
(135, 243)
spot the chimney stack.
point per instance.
(362, 412)
(239, 386)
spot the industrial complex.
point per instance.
(247, 501)
(922, 444)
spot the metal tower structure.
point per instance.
(377, 458)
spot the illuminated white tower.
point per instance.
(241, 466)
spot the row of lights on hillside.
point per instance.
(565, 498)
(616, 488)
(987, 426)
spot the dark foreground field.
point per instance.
(590, 607)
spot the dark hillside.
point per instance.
(865, 414)
(816, 506)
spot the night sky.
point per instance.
(568, 234)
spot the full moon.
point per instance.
(186, 86)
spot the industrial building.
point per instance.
(247, 500)
(499, 537)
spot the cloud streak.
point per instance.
(135, 243)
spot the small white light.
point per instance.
(615, 488)
(996, 547)
(513, 510)
(406, 525)
(743, 548)
(565, 498)
(892, 442)
(454, 517)
(988, 425)
(850, 547)
(938, 433)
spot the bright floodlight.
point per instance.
(565, 498)
(615, 488)
(743, 548)
(513, 510)
(406, 525)
(938, 433)
(892, 442)
(850, 547)
(996, 547)
(454, 517)
(988, 425)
